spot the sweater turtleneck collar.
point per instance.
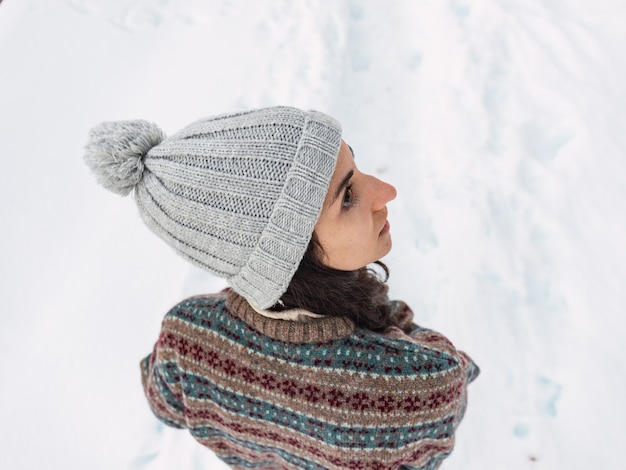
(316, 330)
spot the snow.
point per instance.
(500, 122)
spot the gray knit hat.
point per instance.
(237, 194)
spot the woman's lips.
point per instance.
(385, 228)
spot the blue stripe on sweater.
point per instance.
(200, 388)
(293, 459)
(354, 353)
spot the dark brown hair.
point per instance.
(358, 295)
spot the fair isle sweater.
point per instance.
(267, 393)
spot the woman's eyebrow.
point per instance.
(342, 185)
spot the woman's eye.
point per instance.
(348, 197)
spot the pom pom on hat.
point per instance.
(115, 152)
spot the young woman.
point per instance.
(303, 362)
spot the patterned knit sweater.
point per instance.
(276, 394)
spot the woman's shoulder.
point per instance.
(193, 309)
(409, 348)
(203, 299)
(395, 352)
(430, 343)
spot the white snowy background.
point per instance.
(501, 123)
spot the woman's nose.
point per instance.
(383, 193)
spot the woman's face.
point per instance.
(352, 228)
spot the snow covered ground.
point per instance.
(501, 123)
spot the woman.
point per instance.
(303, 362)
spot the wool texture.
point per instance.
(237, 194)
(267, 393)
